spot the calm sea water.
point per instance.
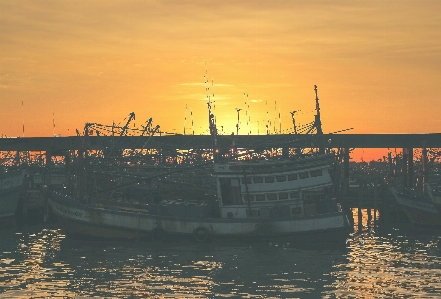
(388, 261)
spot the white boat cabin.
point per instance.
(274, 189)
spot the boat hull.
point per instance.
(11, 185)
(98, 222)
(418, 209)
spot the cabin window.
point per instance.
(247, 198)
(315, 173)
(271, 196)
(314, 197)
(304, 175)
(260, 197)
(296, 210)
(246, 181)
(294, 195)
(269, 179)
(258, 180)
(283, 196)
(292, 177)
(281, 178)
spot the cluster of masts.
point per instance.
(307, 129)
(126, 129)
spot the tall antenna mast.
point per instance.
(280, 123)
(267, 118)
(211, 121)
(318, 122)
(22, 115)
(211, 116)
(185, 117)
(192, 123)
(247, 104)
(249, 116)
(238, 120)
(275, 109)
(214, 101)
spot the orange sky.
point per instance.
(376, 64)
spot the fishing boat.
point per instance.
(418, 207)
(11, 186)
(435, 197)
(262, 199)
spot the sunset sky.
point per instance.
(377, 64)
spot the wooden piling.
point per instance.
(410, 176)
(375, 203)
(424, 166)
(345, 186)
(404, 168)
(360, 205)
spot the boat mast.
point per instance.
(213, 132)
(318, 122)
(294, 121)
(211, 121)
(238, 120)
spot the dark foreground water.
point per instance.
(389, 261)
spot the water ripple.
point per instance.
(42, 263)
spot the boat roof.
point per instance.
(276, 165)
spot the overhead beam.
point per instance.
(430, 140)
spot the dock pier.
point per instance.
(369, 193)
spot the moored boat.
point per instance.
(435, 197)
(418, 207)
(261, 198)
(11, 186)
(266, 199)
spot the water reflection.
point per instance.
(389, 262)
(377, 262)
(25, 271)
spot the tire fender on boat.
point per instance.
(158, 234)
(201, 234)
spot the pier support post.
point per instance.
(411, 183)
(375, 202)
(360, 206)
(369, 214)
(67, 174)
(392, 174)
(346, 172)
(424, 166)
(404, 168)
(345, 186)
(48, 168)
